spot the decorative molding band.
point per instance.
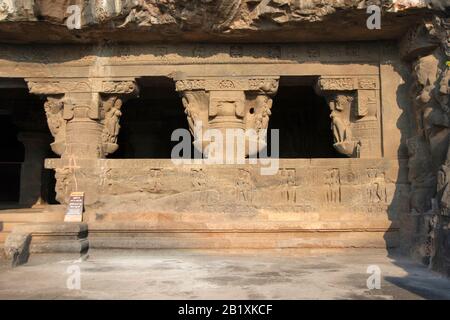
(119, 87)
(347, 83)
(267, 85)
(81, 85)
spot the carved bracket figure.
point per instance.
(54, 110)
(112, 96)
(342, 132)
(354, 108)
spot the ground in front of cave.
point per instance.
(207, 274)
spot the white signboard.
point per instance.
(76, 207)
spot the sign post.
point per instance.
(76, 207)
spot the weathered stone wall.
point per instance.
(427, 49)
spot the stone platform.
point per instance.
(207, 231)
(241, 231)
(13, 217)
(307, 203)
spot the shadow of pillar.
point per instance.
(36, 146)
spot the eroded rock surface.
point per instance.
(197, 19)
(17, 248)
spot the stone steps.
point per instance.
(160, 217)
(242, 225)
(39, 216)
(244, 233)
(214, 239)
(266, 230)
(9, 226)
(11, 218)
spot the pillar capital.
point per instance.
(83, 113)
(227, 103)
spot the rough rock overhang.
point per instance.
(44, 21)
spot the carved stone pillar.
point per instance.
(354, 106)
(228, 103)
(83, 115)
(36, 146)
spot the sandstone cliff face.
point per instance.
(200, 17)
(215, 14)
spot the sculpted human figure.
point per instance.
(189, 113)
(343, 139)
(191, 103)
(243, 186)
(381, 187)
(372, 189)
(289, 193)
(112, 117)
(262, 122)
(332, 179)
(55, 120)
(339, 128)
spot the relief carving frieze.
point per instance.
(333, 185)
(120, 87)
(300, 186)
(155, 180)
(240, 53)
(377, 186)
(244, 187)
(45, 87)
(288, 185)
(266, 85)
(336, 84)
(65, 184)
